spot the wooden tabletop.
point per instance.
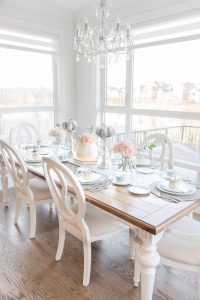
(147, 212)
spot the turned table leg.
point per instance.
(4, 182)
(149, 259)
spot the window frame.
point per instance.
(128, 108)
(55, 75)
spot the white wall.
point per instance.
(141, 14)
(29, 15)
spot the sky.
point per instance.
(25, 69)
(172, 63)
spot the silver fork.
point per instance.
(166, 197)
(190, 182)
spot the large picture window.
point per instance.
(160, 86)
(26, 83)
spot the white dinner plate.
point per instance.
(139, 190)
(183, 190)
(91, 178)
(144, 170)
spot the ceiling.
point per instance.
(74, 5)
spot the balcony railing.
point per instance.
(178, 134)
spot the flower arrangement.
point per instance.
(127, 151)
(86, 139)
(86, 149)
(124, 148)
(57, 132)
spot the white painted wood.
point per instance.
(26, 189)
(4, 182)
(173, 253)
(85, 222)
(61, 242)
(148, 259)
(23, 133)
(165, 143)
(137, 269)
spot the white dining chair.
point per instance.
(32, 191)
(163, 141)
(23, 133)
(179, 248)
(86, 222)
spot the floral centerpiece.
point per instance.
(58, 134)
(126, 150)
(86, 149)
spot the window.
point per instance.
(116, 82)
(160, 86)
(26, 81)
(166, 77)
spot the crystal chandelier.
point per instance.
(102, 38)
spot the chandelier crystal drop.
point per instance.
(103, 39)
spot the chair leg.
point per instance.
(32, 220)
(87, 263)
(198, 287)
(61, 243)
(50, 206)
(17, 210)
(131, 244)
(136, 277)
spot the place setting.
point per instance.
(175, 190)
(92, 181)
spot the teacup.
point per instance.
(120, 177)
(62, 157)
(171, 173)
(36, 147)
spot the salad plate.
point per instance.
(139, 190)
(90, 178)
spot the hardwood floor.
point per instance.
(28, 269)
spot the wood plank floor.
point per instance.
(28, 269)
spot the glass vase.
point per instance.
(127, 164)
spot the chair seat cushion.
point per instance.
(40, 189)
(100, 223)
(180, 249)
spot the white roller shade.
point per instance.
(28, 41)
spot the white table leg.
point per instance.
(4, 182)
(149, 259)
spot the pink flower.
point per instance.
(124, 148)
(57, 132)
(86, 139)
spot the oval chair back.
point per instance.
(166, 147)
(23, 133)
(59, 178)
(14, 163)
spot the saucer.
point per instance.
(122, 183)
(139, 190)
(143, 170)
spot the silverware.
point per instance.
(197, 185)
(166, 197)
(100, 186)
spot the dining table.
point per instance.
(148, 215)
